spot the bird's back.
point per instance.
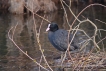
(60, 40)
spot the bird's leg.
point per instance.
(63, 57)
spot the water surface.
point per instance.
(12, 59)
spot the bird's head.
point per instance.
(52, 27)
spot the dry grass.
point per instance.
(89, 60)
(85, 61)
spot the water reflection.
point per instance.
(25, 37)
(11, 59)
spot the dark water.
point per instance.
(12, 59)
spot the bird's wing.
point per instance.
(74, 41)
(61, 39)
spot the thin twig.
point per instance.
(23, 51)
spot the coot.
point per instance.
(59, 38)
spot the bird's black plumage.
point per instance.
(59, 38)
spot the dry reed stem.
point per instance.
(38, 40)
(65, 12)
(100, 21)
(71, 12)
(14, 30)
(101, 40)
(40, 63)
(37, 14)
(22, 50)
(93, 40)
(101, 35)
(95, 4)
(94, 33)
(37, 37)
(76, 63)
(68, 34)
(87, 20)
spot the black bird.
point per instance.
(59, 38)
